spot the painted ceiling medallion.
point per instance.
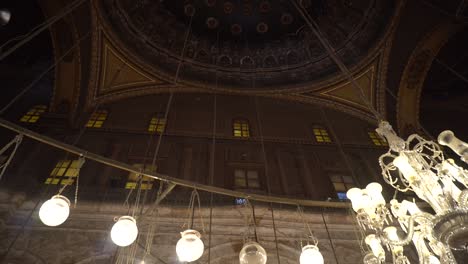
(262, 27)
(212, 23)
(189, 10)
(228, 7)
(265, 7)
(277, 39)
(236, 29)
(247, 9)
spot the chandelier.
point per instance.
(416, 165)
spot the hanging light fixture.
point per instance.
(190, 247)
(252, 253)
(416, 165)
(55, 211)
(311, 255)
(124, 231)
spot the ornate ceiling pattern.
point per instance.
(415, 73)
(127, 65)
(248, 45)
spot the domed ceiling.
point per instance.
(248, 44)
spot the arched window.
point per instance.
(97, 119)
(33, 114)
(321, 134)
(157, 123)
(240, 128)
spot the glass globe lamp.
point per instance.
(433, 260)
(125, 231)
(311, 255)
(356, 197)
(190, 247)
(374, 189)
(55, 211)
(252, 253)
(403, 164)
(5, 16)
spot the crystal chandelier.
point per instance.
(416, 165)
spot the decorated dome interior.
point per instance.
(260, 43)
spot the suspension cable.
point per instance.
(213, 148)
(67, 10)
(332, 53)
(44, 73)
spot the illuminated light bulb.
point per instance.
(376, 247)
(55, 211)
(449, 166)
(125, 231)
(190, 247)
(391, 232)
(411, 207)
(451, 188)
(433, 260)
(311, 255)
(402, 163)
(252, 253)
(355, 195)
(374, 189)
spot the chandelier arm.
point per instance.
(463, 199)
(387, 167)
(410, 228)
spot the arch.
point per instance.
(65, 35)
(292, 58)
(414, 75)
(203, 56)
(224, 60)
(270, 62)
(247, 62)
